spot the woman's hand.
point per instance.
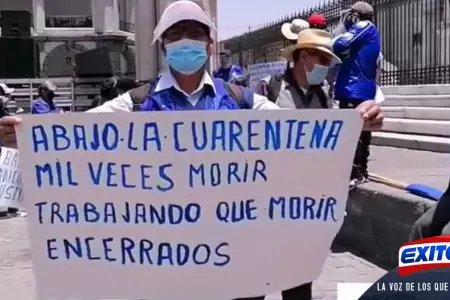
(7, 131)
(372, 115)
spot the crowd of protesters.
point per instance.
(348, 75)
(45, 104)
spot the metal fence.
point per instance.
(73, 94)
(415, 36)
(68, 21)
(127, 26)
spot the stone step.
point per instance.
(411, 141)
(431, 89)
(424, 127)
(417, 100)
(420, 113)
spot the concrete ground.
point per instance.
(17, 282)
(16, 278)
(411, 166)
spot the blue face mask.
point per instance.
(317, 75)
(186, 56)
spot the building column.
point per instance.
(160, 6)
(39, 16)
(147, 66)
(213, 13)
(105, 16)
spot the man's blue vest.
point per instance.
(171, 99)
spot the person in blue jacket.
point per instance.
(185, 34)
(227, 71)
(44, 104)
(358, 48)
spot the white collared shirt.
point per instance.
(124, 102)
(167, 81)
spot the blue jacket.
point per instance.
(358, 49)
(227, 74)
(39, 106)
(172, 99)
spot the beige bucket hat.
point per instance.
(312, 39)
(291, 30)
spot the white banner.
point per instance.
(184, 205)
(258, 72)
(10, 180)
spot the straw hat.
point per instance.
(291, 30)
(316, 39)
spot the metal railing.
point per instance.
(127, 26)
(68, 21)
(73, 94)
(415, 37)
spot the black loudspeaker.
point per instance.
(15, 23)
(94, 63)
(19, 57)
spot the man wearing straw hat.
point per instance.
(290, 31)
(301, 88)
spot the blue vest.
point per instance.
(171, 99)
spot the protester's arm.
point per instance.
(372, 115)
(357, 33)
(262, 103)
(120, 103)
(255, 101)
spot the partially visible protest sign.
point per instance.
(10, 180)
(258, 72)
(184, 205)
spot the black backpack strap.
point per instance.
(274, 87)
(139, 94)
(315, 90)
(322, 97)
